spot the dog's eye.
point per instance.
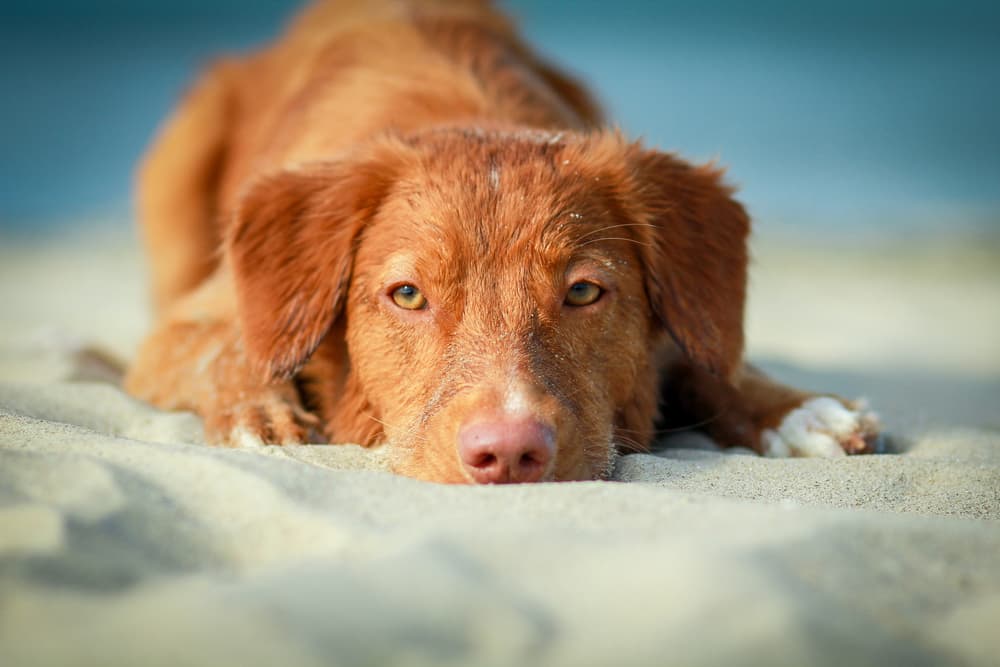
(583, 294)
(408, 297)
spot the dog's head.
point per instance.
(505, 299)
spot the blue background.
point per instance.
(834, 117)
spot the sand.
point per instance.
(124, 541)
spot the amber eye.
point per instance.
(408, 297)
(583, 294)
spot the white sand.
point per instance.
(122, 543)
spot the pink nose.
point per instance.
(505, 451)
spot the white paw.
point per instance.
(823, 426)
(245, 438)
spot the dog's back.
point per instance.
(343, 72)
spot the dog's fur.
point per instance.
(379, 143)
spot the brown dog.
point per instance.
(399, 226)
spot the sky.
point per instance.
(832, 117)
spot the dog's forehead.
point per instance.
(491, 203)
(473, 219)
(503, 185)
(480, 162)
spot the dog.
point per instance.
(399, 226)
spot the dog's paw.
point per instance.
(826, 427)
(271, 417)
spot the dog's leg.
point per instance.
(194, 360)
(773, 419)
(178, 188)
(797, 423)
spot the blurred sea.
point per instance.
(834, 118)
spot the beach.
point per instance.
(125, 540)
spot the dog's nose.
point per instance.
(506, 451)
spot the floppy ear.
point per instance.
(291, 249)
(694, 254)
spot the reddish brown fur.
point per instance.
(381, 143)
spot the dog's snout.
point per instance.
(506, 450)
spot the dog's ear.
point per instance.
(291, 250)
(694, 251)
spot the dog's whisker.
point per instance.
(408, 432)
(617, 238)
(628, 444)
(610, 227)
(680, 429)
(691, 427)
